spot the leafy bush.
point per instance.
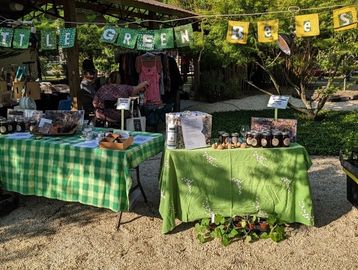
(327, 135)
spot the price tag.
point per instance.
(123, 103)
(278, 102)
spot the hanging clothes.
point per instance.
(149, 68)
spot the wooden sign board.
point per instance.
(17, 89)
(33, 90)
(3, 86)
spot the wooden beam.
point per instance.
(73, 73)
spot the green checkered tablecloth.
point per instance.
(197, 183)
(54, 168)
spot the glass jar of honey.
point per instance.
(3, 126)
(286, 140)
(248, 137)
(235, 137)
(266, 139)
(276, 140)
(256, 139)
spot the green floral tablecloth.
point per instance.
(55, 168)
(197, 183)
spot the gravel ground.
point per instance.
(51, 234)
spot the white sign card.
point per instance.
(192, 132)
(278, 102)
(123, 103)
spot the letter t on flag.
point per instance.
(267, 31)
(307, 25)
(345, 18)
(237, 32)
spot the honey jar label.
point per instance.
(253, 142)
(2, 129)
(286, 142)
(263, 142)
(275, 142)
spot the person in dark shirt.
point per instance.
(109, 93)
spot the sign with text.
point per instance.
(123, 103)
(278, 102)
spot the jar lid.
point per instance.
(285, 133)
(221, 132)
(276, 132)
(3, 121)
(226, 134)
(235, 134)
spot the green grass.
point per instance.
(327, 135)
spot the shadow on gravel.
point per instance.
(37, 216)
(329, 196)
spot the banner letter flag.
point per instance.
(164, 38)
(267, 31)
(145, 41)
(345, 18)
(67, 37)
(307, 25)
(237, 32)
(48, 40)
(127, 38)
(109, 34)
(21, 38)
(184, 35)
(6, 37)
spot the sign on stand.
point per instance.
(123, 104)
(278, 102)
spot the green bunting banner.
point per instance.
(109, 34)
(127, 38)
(145, 40)
(6, 37)
(306, 25)
(21, 38)
(164, 38)
(48, 40)
(67, 37)
(184, 35)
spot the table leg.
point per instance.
(119, 220)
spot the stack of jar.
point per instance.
(17, 125)
(268, 138)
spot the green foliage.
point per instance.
(327, 135)
(247, 228)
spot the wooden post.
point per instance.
(73, 74)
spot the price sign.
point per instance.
(123, 103)
(278, 102)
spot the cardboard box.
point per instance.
(115, 142)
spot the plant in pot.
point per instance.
(276, 229)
